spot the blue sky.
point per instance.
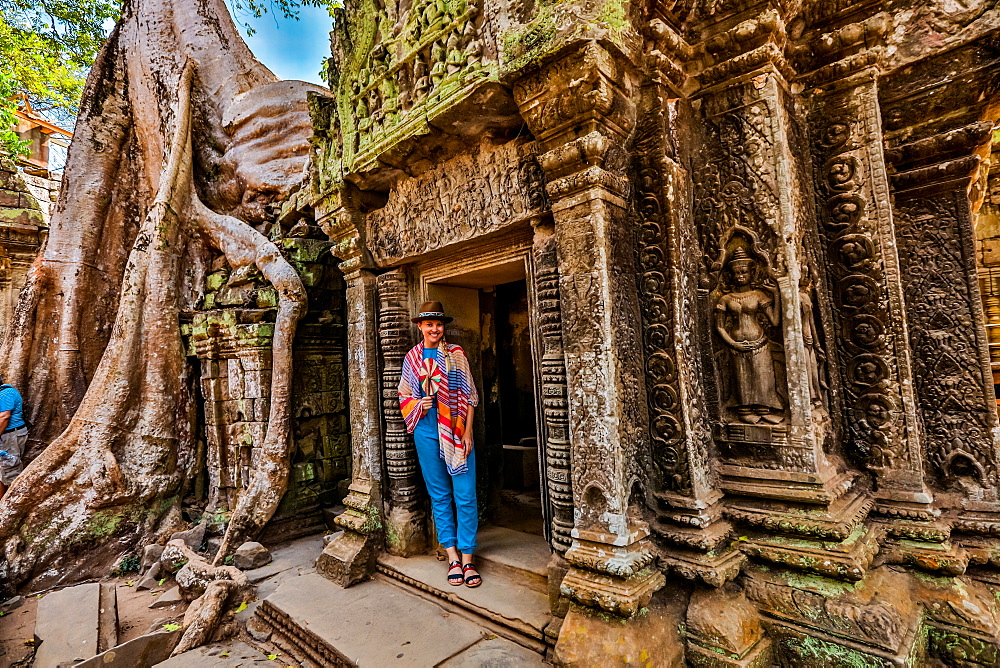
(292, 49)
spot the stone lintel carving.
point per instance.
(398, 68)
(406, 516)
(596, 264)
(858, 232)
(471, 195)
(552, 368)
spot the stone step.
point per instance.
(70, 626)
(514, 555)
(377, 623)
(506, 602)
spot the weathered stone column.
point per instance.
(938, 132)
(406, 530)
(690, 522)
(350, 558)
(581, 111)
(764, 302)
(552, 368)
(858, 234)
(937, 157)
(947, 326)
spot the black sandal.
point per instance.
(455, 579)
(473, 580)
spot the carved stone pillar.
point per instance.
(581, 112)
(763, 298)
(858, 236)
(946, 323)
(552, 367)
(406, 532)
(350, 558)
(689, 512)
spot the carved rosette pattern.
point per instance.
(667, 442)
(876, 427)
(555, 415)
(942, 312)
(394, 335)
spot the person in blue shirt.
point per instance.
(14, 436)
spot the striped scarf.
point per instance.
(455, 393)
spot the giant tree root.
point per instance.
(160, 173)
(213, 589)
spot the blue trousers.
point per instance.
(452, 497)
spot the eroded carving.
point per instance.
(746, 307)
(470, 195)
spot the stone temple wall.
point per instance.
(231, 338)
(23, 228)
(759, 237)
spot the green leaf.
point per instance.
(162, 580)
(243, 606)
(225, 654)
(272, 657)
(171, 627)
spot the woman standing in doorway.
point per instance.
(438, 397)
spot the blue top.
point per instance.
(427, 425)
(10, 400)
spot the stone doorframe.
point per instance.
(405, 528)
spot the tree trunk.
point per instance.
(183, 142)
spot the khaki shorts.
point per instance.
(12, 465)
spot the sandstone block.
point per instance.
(67, 625)
(251, 555)
(11, 604)
(151, 555)
(21, 217)
(165, 600)
(193, 537)
(151, 578)
(146, 650)
(10, 198)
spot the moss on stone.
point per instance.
(827, 586)
(830, 655)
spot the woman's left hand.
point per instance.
(467, 442)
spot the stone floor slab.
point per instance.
(514, 551)
(499, 599)
(146, 650)
(298, 553)
(67, 625)
(495, 653)
(233, 654)
(373, 623)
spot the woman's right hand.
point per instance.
(425, 405)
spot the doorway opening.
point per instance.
(520, 495)
(492, 323)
